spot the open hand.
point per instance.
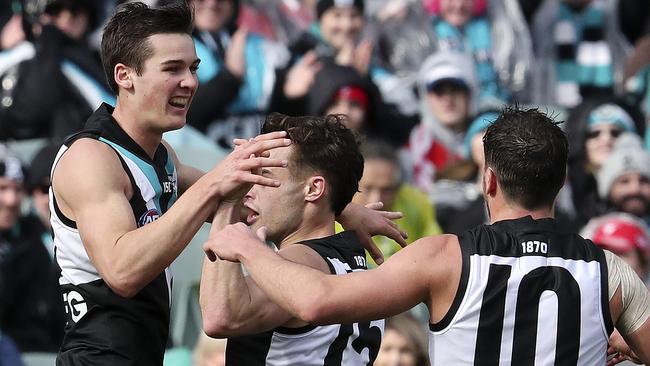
(301, 76)
(236, 53)
(368, 221)
(237, 172)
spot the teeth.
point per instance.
(179, 101)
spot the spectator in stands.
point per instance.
(334, 38)
(624, 178)
(624, 235)
(343, 90)
(32, 309)
(236, 76)
(463, 26)
(38, 184)
(457, 191)
(382, 181)
(63, 83)
(404, 343)
(579, 48)
(448, 89)
(593, 128)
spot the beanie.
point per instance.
(628, 156)
(323, 5)
(612, 114)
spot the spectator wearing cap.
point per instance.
(593, 129)
(447, 88)
(31, 310)
(624, 178)
(624, 235)
(343, 90)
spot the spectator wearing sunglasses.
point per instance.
(593, 129)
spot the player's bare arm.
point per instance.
(98, 201)
(629, 308)
(400, 283)
(232, 303)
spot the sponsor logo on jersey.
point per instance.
(149, 217)
(75, 305)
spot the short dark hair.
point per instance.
(326, 146)
(528, 152)
(126, 34)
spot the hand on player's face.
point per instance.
(229, 242)
(236, 174)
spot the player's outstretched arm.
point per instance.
(403, 281)
(93, 190)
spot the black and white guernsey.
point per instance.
(339, 344)
(102, 327)
(529, 295)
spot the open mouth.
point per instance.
(179, 102)
(250, 215)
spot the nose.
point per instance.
(190, 81)
(11, 197)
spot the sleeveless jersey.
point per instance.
(102, 327)
(338, 344)
(529, 295)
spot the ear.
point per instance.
(123, 76)
(489, 182)
(314, 188)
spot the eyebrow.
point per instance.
(182, 62)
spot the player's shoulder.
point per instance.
(88, 159)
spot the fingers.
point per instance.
(372, 249)
(391, 215)
(208, 252)
(258, 147)
(375, 205)
(310, 58)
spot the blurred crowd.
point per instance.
(420, 79)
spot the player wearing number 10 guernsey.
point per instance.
(516, 292)
(324, 166)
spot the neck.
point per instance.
(310, 229)
(126, 117)
(505, 211)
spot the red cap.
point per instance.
(354, 94)
(620, 236)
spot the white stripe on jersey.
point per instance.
(456, 344)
